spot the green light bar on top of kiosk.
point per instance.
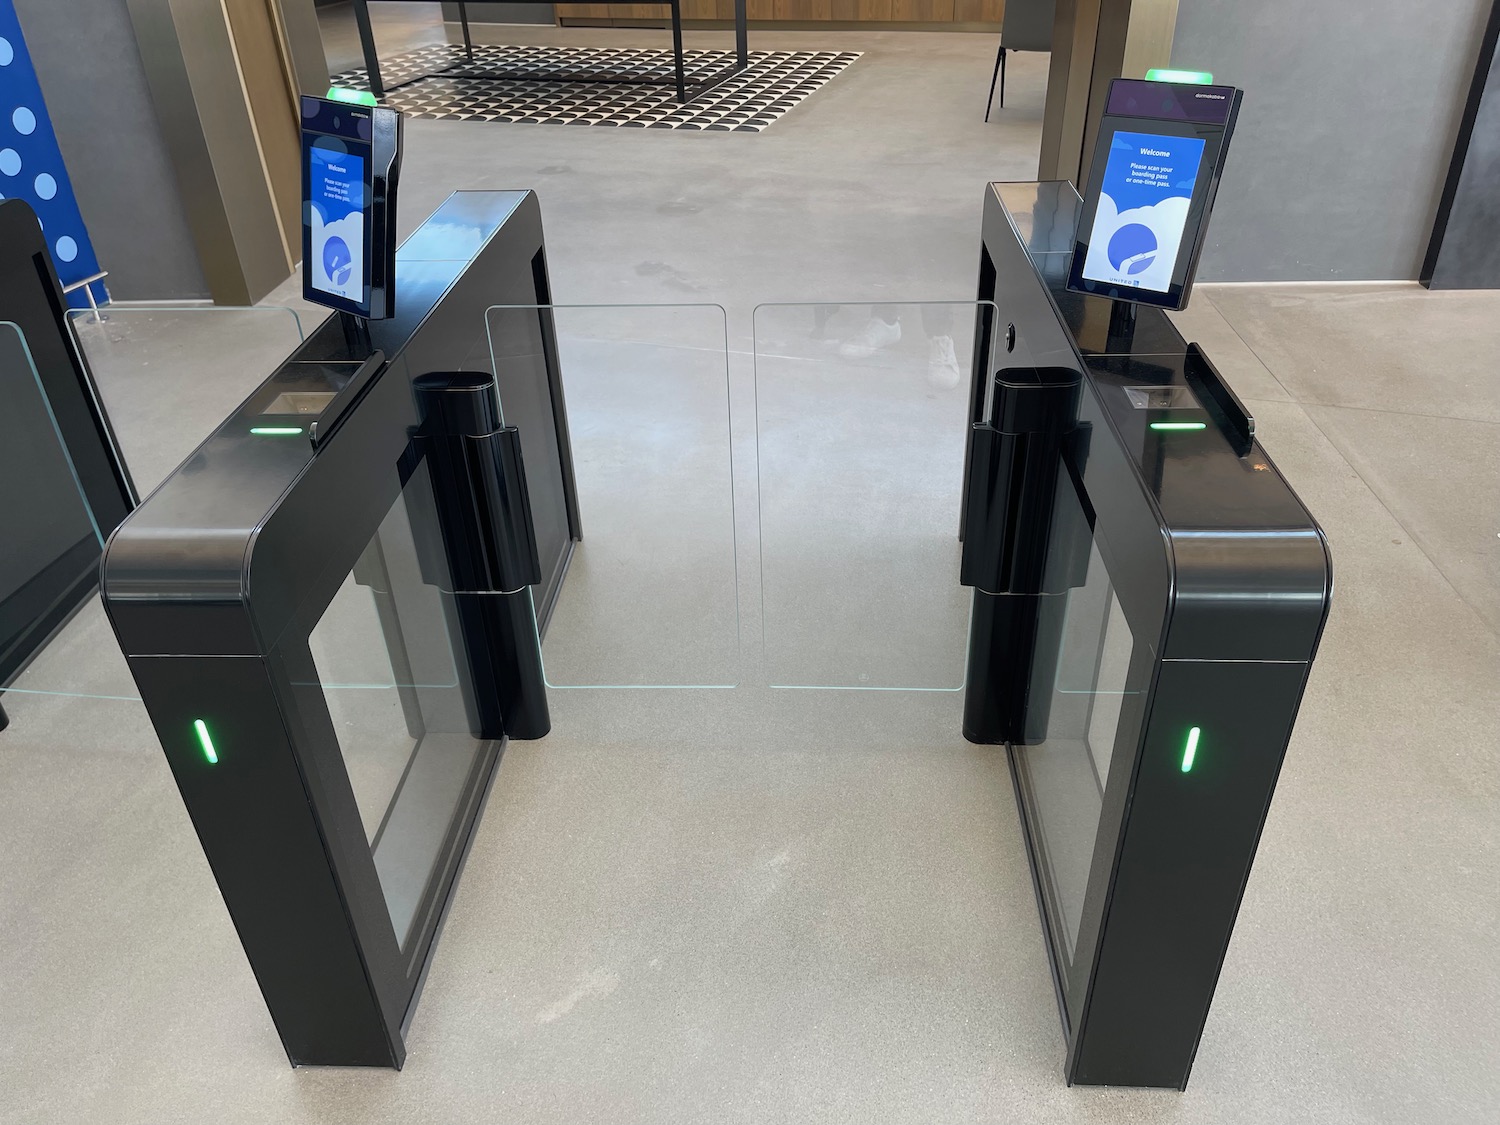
(353, 97)
(1186, 77)
(1179, 425)
(276, 431)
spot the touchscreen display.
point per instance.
(1143, 207)
(336, 194)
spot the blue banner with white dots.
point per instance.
(31, 165)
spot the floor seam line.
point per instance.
(1258, 358)
(1414, 539)
(1401, 413)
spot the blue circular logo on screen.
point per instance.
(338, 263)
(1132, 248)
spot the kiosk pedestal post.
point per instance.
(356, 333)
(1121, 325)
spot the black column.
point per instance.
(1464, 252)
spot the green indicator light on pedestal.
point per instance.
(353, 97)
(1179, 425)
(206, 742)
(1190, 751)
(1186, 77)
(276, 431)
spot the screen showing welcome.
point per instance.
(336, 190)
(1143, 206)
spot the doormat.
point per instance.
(749, 101)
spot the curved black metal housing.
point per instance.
(348, 479)
(1146, 611)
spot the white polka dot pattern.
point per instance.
(31, 163)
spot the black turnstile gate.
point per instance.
(328, 609)
(1148, 597)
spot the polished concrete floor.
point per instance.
(736, 906)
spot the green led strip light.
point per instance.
(1186, 77)
(206, 742)
(353, 97)
(1191, 750)
(276, 431)
(1179, 425)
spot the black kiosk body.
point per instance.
(1148, 596)
(361, 522)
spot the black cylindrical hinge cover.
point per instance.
(458, 403)
(461, 419)
(480, 488)
(505, 660)
(999, 667)
(1009, 491)
(515, 561)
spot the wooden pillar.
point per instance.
(224, 78)
(1092, 42)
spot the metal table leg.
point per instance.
(997, 76)
(367, 44)
(463, 19)
(677, 51)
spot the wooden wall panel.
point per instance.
(923, 11)
(979, 11)
(627, 11)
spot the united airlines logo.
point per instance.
(1132, 248)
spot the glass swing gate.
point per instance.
(832, 565)
(946, 503)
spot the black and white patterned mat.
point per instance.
(773, 83)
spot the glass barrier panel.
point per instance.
(1085, 710)
(650, 598)
(78, 680)
(386, 659)
(167, 376)
(862, 421)
(34, 450)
